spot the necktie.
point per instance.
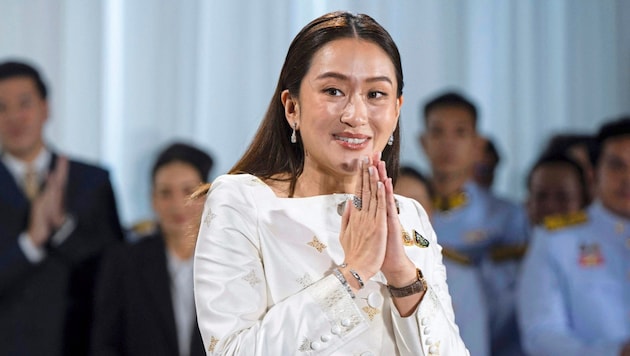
(31, 183)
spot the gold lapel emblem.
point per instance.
(318, 245)
(371, 312)
(213, 343)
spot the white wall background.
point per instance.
(127, 77)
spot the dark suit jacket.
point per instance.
(134, 311)
(45, 308)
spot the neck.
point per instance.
(180, 245)
(29, 155)
(446, 184)
(312, 183)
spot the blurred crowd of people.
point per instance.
(546, 276)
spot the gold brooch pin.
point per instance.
(407, 239)
(417, 239)
(420, 240)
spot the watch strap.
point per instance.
(418, 286)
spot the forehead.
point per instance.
(175, 170)
(21, 85)
(553, 173)
(352, 56)
(618, 146)
(443, 116)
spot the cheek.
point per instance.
(323, 110)
(194, 210)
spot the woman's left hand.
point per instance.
(397, 267)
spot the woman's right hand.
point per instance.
(363, 234)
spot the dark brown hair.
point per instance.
(9, 70)
(448, 100)
(185, 153)
(271, 152)
(611, 129)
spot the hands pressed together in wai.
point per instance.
(371, 231)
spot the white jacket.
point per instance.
(264, 283)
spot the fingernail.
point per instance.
(379, 155)
(366, 160)
(379, 185)
(371, 170)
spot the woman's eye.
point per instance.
(376, 94)
(333, 91)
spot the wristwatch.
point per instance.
(419, 286)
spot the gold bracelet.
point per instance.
(419, 286)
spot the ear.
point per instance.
(399, 103)
(291, 107)
(45, 110)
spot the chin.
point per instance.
(350, 166)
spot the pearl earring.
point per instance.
(391, 140)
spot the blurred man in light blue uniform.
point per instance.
(574, 293)
(468, 220)
(556, 185)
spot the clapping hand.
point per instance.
(48, 210)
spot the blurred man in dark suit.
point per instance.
(56, 217)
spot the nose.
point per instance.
(354, 113)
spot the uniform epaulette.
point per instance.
(456, 256)
(559, 221)
(508, 252)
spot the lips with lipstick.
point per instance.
(353, 141)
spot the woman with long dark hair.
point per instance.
(303, 247)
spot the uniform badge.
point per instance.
(590, 255)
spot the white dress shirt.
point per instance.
(181, 273)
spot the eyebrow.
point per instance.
(340, 76)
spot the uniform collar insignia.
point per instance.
(554, 222)
(450, 202)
